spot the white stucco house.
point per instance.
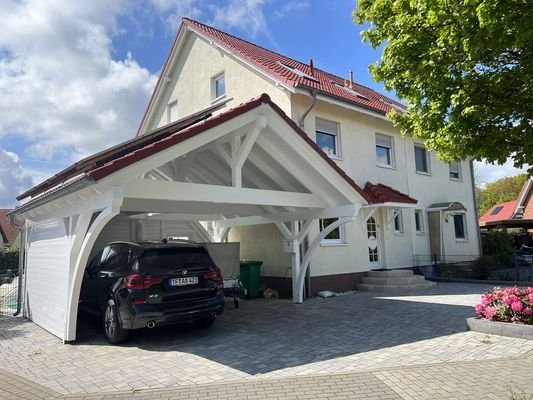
(239, 143)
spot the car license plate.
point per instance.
(191, 280)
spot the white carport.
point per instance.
(246, 166)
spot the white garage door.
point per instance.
(47, 276)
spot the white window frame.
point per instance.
(392, 164)
(214, 81)
(336, 134)
(422, 147)
(420, 230)
(459, 173)
(170, 106)
(398, 217)
(463, 217)
(333, 242)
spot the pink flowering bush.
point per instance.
(512, 304)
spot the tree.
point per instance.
(465, 69)
(502, 190)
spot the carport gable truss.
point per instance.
(248, 165)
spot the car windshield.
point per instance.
(158, 261)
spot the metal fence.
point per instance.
(8, 292)
(464, 267)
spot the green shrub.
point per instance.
(483, 266)
(9, 260)
(498, 245)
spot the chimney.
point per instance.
(351, 79)
(312, 67)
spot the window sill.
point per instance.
(218, 99)
(386, 166)
(461, 240)
(326, 244)
(399, 233)
(420, 233)
(423, 173)
(334, 157)
(456, 179)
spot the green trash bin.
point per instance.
(250, 273)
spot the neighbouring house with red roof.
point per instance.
(517, 213)
(238, 143)
(9, 233)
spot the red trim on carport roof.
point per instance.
(381, 193)
(116, 165)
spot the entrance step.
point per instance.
(394, 281)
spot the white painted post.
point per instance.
(297, 292)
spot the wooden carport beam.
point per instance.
(240, 151)
(151, 190)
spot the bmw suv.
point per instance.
(149, 284)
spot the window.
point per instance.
(384, 151)
(327, 137)
(455, 170)
(421, 159)
(497, 210)
(419, 222)
(336, 236)
(219, 86)
(459, 226)
(172, 112)
(398, 222)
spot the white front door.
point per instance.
(372, 229)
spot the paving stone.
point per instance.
(273, 340)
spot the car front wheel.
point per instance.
(114, 333)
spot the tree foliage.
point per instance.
(465, 69)
(502, 190)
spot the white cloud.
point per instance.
(290, 8)
(13, 179)
(247, 15)
(486, 173)
(61, 90)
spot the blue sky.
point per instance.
(75, 77)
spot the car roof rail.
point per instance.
(177, 240)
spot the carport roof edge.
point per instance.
(97, 173)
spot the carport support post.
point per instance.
(297, 293)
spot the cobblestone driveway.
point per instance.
(263, 339)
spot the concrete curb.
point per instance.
(519, 331)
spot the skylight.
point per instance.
(351, 91)
(496, 210)
(393, 105)
(298, 72)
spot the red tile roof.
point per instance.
(274, 64)
(10, 232)
(116, 162)
(381, 193)
(498, 212)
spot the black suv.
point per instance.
(148, 284)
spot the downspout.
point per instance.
(305, 246)
(480, 248)
(22, 253)
(301, 123)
